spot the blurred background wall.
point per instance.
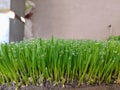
(76, 19)
(16, 26)
(11, 29)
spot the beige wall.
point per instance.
(78, 19)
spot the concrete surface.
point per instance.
(78, 19)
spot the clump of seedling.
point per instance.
(60, 61)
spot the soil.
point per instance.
(67, 87)
(113, 87)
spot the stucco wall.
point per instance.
(78, 19)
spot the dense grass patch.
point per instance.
(116, 38)
(60, 61)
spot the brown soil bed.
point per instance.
(67, 87)
(108, 87)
